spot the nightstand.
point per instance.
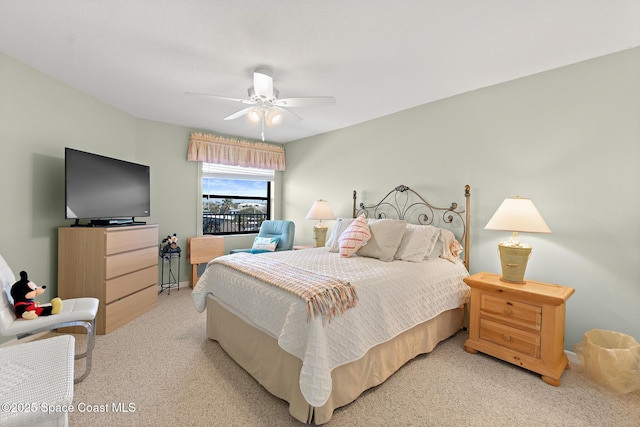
(519, 323)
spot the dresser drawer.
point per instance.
(128, 262)
(521, 341)
(514, 312)
(129, 239)
(122, 311)
(130, 283)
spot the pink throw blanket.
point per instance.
(323, 295)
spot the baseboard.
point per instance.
(9, 342)
(573, 358)
(183, 284)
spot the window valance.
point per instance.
(235, 152)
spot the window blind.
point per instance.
(213, 170)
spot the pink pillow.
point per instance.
(356, 235)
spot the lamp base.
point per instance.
(320, 236)
(513, 260)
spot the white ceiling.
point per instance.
(375, 57)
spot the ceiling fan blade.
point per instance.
(310, 101)
(263, 82)
(237, 114)
(224, 98)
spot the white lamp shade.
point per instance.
(519, 215)
(320, 210)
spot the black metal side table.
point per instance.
(172, 281)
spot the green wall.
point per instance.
(40, 116)
(567, 138)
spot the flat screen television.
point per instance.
(105, 190)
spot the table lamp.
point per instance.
(516, 215)
(320, 210)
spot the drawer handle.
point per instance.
(508, 311)
(506, 337)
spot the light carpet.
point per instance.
(162, 370)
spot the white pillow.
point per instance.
(437, 249)
(386, 235)
(264, 244)
(333, 243)
(356, 235)
(417, 242)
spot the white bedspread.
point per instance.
(393, 297)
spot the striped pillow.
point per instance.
(354, 237)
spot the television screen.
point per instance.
(99, 187)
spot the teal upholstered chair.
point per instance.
(284, 230)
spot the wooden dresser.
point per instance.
(117, 265)
(519, 323)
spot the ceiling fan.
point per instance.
(264, 105)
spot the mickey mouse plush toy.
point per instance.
(171, 245)
(24, 292)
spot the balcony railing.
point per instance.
(232, 223)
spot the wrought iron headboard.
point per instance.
(404, 203)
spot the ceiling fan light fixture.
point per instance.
(273, 117)
(265, 107)
(254, 115)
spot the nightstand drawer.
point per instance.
(513, 312)
(521, 341)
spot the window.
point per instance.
(235, 200)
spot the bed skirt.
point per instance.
(279, 371)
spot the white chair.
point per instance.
(36, 382)
(75, 312)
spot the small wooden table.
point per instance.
(519, 323)
(203, 249)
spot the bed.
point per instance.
(376, 310)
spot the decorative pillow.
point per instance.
(264, 244)
(333, 243)
(417, 242)
(356, 235)
(447, 246)
(386, 235)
